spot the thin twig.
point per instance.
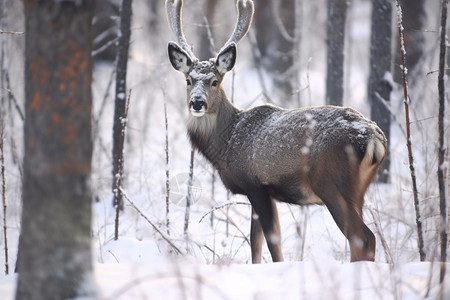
(189, 191)
(384, 243)
(222, 206)
(163, 235)
(213, 188)
(11, 95)
(167, 170)
(388, 106)
(104, 47)
(12, 32)
(2, 166)
(408, 135)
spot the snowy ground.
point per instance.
(320, 278)
(215, 255)
(214, 265)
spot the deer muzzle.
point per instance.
(197, 107)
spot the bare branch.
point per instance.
(163, 235)
(12, 32)
(3, 183)
(408, 136)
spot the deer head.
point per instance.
(204, 78)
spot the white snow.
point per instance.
(201, 76)
(320, 278)
(121, 96)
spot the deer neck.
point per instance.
(211, 132)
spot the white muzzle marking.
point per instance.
(198, 113)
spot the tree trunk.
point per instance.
(55, 259)
(380, 86)
(442, 167)
(207, 49)
(121, 100)
(275, 35)
(337, 14)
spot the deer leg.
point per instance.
(256, 238)
(267, 213)
(350, 222)
(363, 249)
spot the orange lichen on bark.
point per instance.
(70, 137)
(56, 118)
(62, 86)
(39, 73)
(31, 143)
(36, 101)
(73, 167)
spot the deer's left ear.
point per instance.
(226, 58)
(180, 59)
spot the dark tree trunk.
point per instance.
(380, 86)
(414, 18)
(442, 145)
(337, 14)
(55, 246)
(275, 35)
(207, 49)
(120, 101)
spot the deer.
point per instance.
(324, 155)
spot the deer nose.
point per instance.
(198, 107)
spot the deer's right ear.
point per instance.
(180, 60)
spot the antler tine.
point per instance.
(173, 8)
(245, 9)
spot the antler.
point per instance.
(245, 9)
(173, 8)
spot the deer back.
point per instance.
(268, 145)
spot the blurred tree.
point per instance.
(105, 29)
(414, 20)
(206, 49)
(337, 14)
(380, 78)
(55, 260)
(154, 19)
(275, 25)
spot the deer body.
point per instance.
(316, 155)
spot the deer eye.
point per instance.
(188, 81)
(215, 82)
